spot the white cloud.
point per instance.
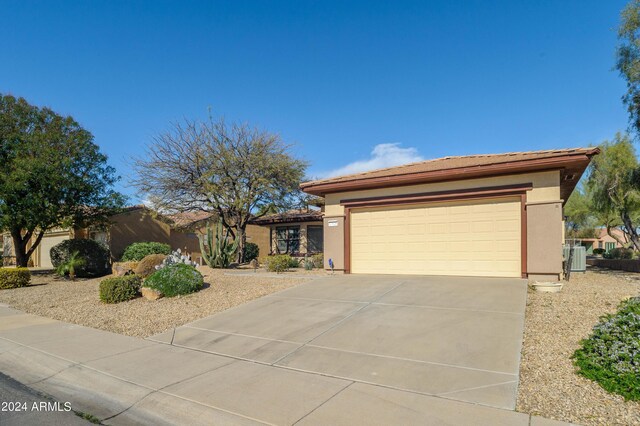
(383, 155)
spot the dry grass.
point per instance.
(554, 325)
(77, 301)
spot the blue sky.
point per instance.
(372, 83)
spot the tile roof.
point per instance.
(186, 219)
(458, 162)
(291, 216)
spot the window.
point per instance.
(315, 239)
(609, 246)
(600, 244)
(287, 239)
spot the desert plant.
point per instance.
(177, 257)
(70, 265)
(120, 289)
(138, 251)
(308, 264)
(175, 279)
(96, 255)
(318, 260)
(14, 277)
(251, 251)
(218, 252)
(278, 263)
(147, 265)
(611, 355)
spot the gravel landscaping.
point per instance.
(554, 325)
(77, 301)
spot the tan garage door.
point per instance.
(470, 238)
(47, 242)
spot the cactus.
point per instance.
(218, 252)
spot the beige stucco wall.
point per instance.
(544, 240)
(546, 188)
(334, 242)
(259, 235)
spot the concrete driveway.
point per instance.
(457, 338)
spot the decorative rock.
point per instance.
(151, 294)
(120, 269)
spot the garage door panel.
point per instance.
(47, 242)
(461, 238)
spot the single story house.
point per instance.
(136, 224)
(296, 232)
(603, 241)
(495, 215)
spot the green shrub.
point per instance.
(279, 263)
(599, 251)
(147, 265)
(318, 260)
(308, 264)
(175, 279)
(120, 289)
(611, 355)
(293, 262)
(138, 251)
(14, 277)
(97, 258)
(619, 253)
(251, 251)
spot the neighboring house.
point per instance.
(604, 240)
(296, 232)
(136, 224)
(479, 215)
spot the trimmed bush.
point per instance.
(619, 253)
(294, 263)
(120, 289)
(96, 255)
(147, 265)
(318, 260)
(175, 279)
(14, 277)
(611, 355)
(251, 251)
(138, 251)
(279, 263)
(599, 251)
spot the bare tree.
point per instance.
(236, 171)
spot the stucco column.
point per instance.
(334, 242)
(544, 240)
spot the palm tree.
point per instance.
(69, 267)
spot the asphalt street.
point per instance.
(20, 405)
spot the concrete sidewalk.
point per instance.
(124, 380)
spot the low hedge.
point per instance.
(611, 355)
(120, 289)
(619, 253)
(279, 263)
(175, 279)
(138, 251)
(96, 255)
(14, 277)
